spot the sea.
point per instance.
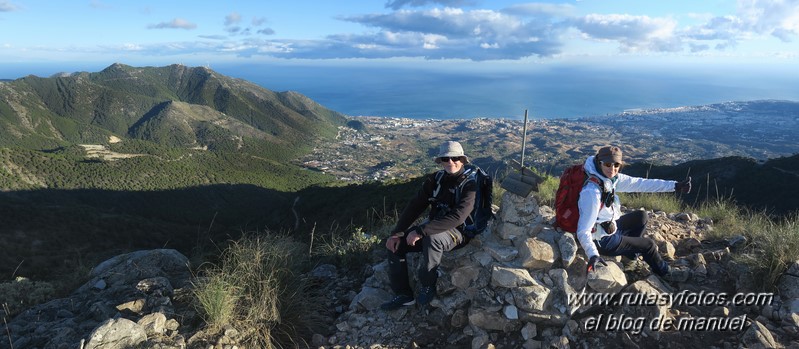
(562, 91)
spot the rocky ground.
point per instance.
(509, 288)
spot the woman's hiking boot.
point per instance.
(426, 295)
(398, 302)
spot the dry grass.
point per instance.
(259, 285)
(773, 244)
(666, 202)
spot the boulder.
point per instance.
(511, 277)
(568, 249)
(607, 279)
(116, 334)
(536, 254)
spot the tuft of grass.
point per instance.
(666, 202)
(728, 219)
(216, 300)
(773, 244)
(259, 285)
(547, 190)
(497, 190)
(779, 243)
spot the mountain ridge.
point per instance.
(87, 107)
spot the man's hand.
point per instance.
(393, 243)
(593, 261)
(412, 238)
(684, 186)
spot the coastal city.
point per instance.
(381, 148)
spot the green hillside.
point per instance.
(174, 105)
(96, 164)
(769, 186)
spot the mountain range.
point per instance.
(136, 157)
(174, 106)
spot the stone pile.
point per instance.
(511, 287)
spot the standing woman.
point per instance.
(602, 229)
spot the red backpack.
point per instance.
(567, 214)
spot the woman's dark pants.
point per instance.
(627, 241)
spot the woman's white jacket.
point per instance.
(592, 212)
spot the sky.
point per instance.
(208, 32)
(756, 37)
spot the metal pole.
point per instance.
(524, 136)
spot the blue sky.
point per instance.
(478, 34)
(433, 58)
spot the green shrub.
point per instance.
(350, 252)
(21, 293)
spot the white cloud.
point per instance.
(398, 4)
(266, 31)
(213, 37)
(131, 47)
(232, 19)
(99, 4)
(754, 18)
(633, 33)
(777, 18)
(460, 34)
(7, 6)
(177, 23)
(540, 9)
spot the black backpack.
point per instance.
(477, 221)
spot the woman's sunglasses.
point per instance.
(447, 158)
(611, 164)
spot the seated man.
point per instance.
(442, 231)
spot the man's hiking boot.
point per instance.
(398, 302)
(426, 295)
(677, 275)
